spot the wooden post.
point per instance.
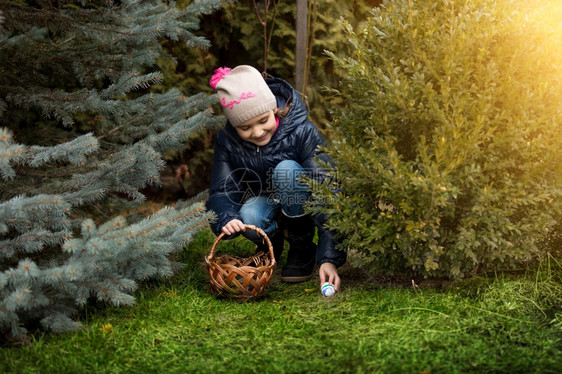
(301, 31)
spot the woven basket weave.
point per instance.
(240, 278)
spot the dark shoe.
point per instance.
(277, 239)
(297, 274)
(302, 250)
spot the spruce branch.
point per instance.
(74, 151)
(130, 82)
(10, 153)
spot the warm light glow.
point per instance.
(546, 14)
(542, 25)
(552, 14)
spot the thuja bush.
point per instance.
(449, 148)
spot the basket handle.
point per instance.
(259, 231)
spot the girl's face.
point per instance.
(258, 130)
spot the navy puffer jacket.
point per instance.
(242, 169)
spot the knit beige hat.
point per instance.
(242, 92)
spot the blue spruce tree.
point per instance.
(79, 126)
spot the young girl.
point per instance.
(267, 143)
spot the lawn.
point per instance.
(498, 323)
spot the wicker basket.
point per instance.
(240, 278)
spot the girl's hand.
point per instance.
(328, 273)
(233, 227)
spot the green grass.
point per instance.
(498, 324)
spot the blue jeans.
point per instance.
(288, 196)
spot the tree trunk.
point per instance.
(301, 31)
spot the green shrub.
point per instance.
(449, 149)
